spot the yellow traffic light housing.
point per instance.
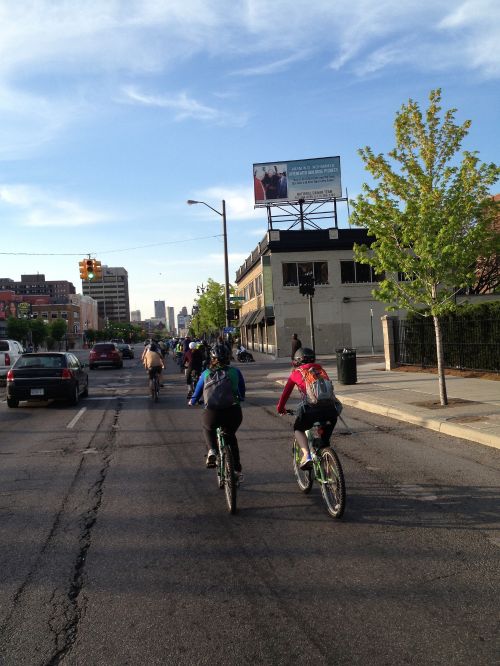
(89, 264)
(97, 269)
(83, 269)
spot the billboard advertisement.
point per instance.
(311, 180)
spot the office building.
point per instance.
(111, 294)
(160, 310)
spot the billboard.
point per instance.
(311, 180)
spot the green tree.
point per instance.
(17, 329)
(39, 331)
(431, 214)
(58, 329)
(211, 315)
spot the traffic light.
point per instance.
(83, 269)
(306, 284)
(97, 270)
(89, 263)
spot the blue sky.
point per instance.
(114, 113)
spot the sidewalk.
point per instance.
(473, 412)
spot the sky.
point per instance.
(113, 113)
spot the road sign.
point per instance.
(236, 298)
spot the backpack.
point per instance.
(319, 389)
(218, 390)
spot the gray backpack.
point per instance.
(218, 390)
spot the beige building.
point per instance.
(111, 294)
(345, 313)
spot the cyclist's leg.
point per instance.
(231, 419)
(301, 424)
(209, 423)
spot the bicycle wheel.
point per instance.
(157, 388)
(332, 483)
(230, 486)
(304, 476)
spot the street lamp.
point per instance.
(190, 202)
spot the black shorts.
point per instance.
(154, 371)
(307, 415)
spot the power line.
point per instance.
(101, 252)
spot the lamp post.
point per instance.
(190, 202)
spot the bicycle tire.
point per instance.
(230, 485)
(304, 476)
(333, 483)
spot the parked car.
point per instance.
(10, 351)
(47, 376)
(106, 354)
(126, 350)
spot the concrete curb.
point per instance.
(444, 427)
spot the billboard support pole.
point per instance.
(301, 209)
(311, 320)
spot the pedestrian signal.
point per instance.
(83, 269)
(90, 269)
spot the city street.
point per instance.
(117, 547)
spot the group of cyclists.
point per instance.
(203, 362)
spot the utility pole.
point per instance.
(306, 288)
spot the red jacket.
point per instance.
(296, 379)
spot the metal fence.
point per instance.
(468, 344)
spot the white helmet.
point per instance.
(192, 345)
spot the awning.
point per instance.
(244, 320)
(259, 316)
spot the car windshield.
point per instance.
(29, 361)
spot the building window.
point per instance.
(292, 272)
(352, 272)
(53, 315)
(45, 315)
(258, 285)
(64, 315)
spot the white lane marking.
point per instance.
(72, 423)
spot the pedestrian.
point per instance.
(296, 344)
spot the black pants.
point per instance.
(307, 415)
(229, 420)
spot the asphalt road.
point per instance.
(116, 546)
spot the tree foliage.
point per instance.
(17, 329)
(431, 214)
(210, 316)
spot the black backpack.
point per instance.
(218, 390)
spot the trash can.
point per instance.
(346, 366)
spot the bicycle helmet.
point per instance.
(220, 353)
(192, 345)
(303, 355)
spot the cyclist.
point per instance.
(194, 359)
(153, 361)
(228, 418)
(307, 414)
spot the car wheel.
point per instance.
(12, 402)
(75, 396)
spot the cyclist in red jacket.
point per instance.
(307, 414)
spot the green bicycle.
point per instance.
(226, 476)
(326, 468)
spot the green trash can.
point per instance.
(346, 366)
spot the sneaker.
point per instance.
(306, 463)
(211, 458)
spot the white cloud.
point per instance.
(239, 202)
(183, 106)
(32, 207)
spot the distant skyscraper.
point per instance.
(135, 315)
(160, 310)
(171, 319)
